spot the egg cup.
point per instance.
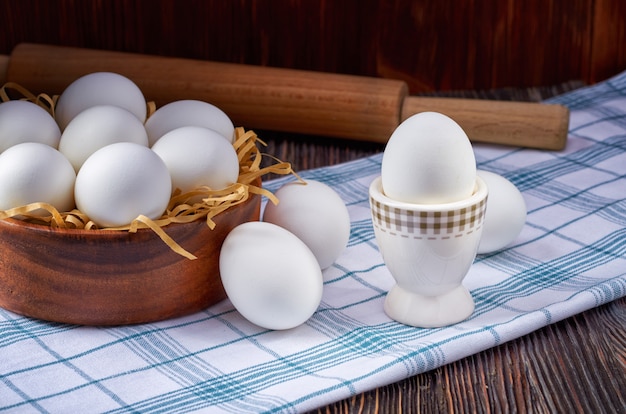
(428, 248)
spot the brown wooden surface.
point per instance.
(577, 365)
(430, 44)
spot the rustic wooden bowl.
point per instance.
(99, 277)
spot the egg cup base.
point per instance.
(423, 311)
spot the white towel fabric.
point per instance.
(568, 258)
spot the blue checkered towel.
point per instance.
(568, 258)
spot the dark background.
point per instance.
(433, 45)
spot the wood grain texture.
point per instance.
(279, 99)
(100, 277)
(522, 124)
(608, 31)
(432, 45)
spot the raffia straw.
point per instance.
(206, 203)
(34, 212)
(47, 102)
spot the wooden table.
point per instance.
(575, 365)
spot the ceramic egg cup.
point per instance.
(428, 249)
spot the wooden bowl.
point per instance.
(99, 277)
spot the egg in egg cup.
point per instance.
(428, 249)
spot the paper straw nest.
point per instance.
(212, 203)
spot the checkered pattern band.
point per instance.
(428, 224)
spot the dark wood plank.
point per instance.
(432, 45)
(607, 31)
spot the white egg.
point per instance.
(197, 156)
(316, 214)
(97, 127)
(189, 112)
(23, 121)
(428, 160)
(99, 88)
(270, 276)
(34, 172)
(505, 215)
(121, 181)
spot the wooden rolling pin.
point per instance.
(276, 99)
